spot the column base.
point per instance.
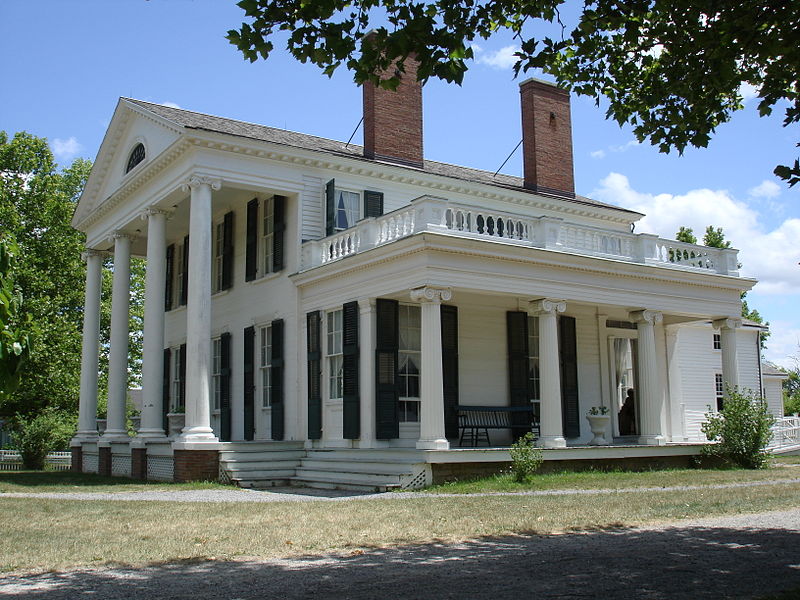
(551, 441)
(433, 445)
(115, 435)
(193, 435)
(86, 435)
(151, 434)
(653, 440)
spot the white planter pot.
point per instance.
(599, 425)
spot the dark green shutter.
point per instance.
(373, 203)
(314, 375)
(351, 403)
(251, 242)
(248, 409)
(449, 315)
(330, 207)
(166, 384)
(279, 232)
(227, 251)
(518, 377)
(387, 393)
(185, 276)
(182, 395)
(168, 276)
(568, 351)
(276, 374)
(225, 388)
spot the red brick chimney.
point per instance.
(546, 138)
(393, 120)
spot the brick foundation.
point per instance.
(104, 461)
(196, 465)
(77, 459)
(138, 463)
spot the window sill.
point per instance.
(263, 278)
(220, 293)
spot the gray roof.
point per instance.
(769, 369)
(204, 122)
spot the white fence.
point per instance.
(10, 460)
(785, 434)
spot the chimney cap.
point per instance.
(541, 83)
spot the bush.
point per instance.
(36, 436)
(525, 458)
(741, 430)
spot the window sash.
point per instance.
(534, 375)
(216, 372)
(346, 211)
(175, 400)
(178, 270)
(410, 361)
(334, 354)
(219, 251)
(268, 234)
(265, 366)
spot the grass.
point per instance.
(67, 481)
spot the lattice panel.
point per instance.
(121, 465)
(90, 463)
(160, 468)
(420, 479)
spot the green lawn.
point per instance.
(67, 481)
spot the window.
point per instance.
(717, 342)
(177, 383)
(219, 256)
(136, 156)
(335, 358)
(268, 234)
(177, 294)
(216, 372)
(720, 390)
(264, 365)
(409, 354)
(346, 209)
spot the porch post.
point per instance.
(727, 336)
(118, 352)
(650, 396)
(153, 356)
(366, 333)
(431, 427)
(198, 313)
(87, 409)
(551, 426)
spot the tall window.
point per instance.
(268, 233)
(717, 342)
(346, 208)
(719, 386)
(410, 361)
(177, 383)
(335, 359)
(534, 376)
(264, 365)
(177, 294)
(216, 372)
(219, 251)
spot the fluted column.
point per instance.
(118, 352)
(552, 425)
(730, 365)
(650, 394)
(366, 332)
(198, 313)
(152, 358)
(431, 427)
(87, 409)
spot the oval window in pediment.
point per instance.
(136, 156)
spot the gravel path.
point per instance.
(743, 556)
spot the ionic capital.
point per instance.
(152, 210)
(546, 306)
(431, 294)
(727, 323)
(197, 181)
(91, 252)
(120, 235)
(366, 305)
(648, 317)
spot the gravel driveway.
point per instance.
(744, 556)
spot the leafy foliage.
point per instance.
(715, 238)
(36, 436)
(741, 430)
(14, 344)
(672, 70)
(526, 458)
(686, 235)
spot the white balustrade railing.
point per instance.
(432, 214)
(785, 433)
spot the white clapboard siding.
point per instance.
(313, 208)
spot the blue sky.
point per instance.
(65, 64)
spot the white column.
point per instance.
(153, 355)
(431, 427)
(198, 313)
(551, 426)
(118, 352)
(730, 365)
(650, 394)
(87, 410)
(676, 409)
(366, 370)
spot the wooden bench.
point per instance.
(474, 422)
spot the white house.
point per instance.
(338, 302)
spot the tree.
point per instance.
(674, 70)
(686, 235)
(715, 238)
(14, 344)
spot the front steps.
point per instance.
(259, 464)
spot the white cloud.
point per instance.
(614, 149)
(770, 256)
(598, 154)
(65, 150)
(170, 104)
(765, 189)
(748, 92)
(783, 345)
(500, 59)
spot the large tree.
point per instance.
(14, 345)
(672, 70)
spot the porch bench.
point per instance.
(474, 422)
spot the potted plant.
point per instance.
(599, 419)
(176, 419)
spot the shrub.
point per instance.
(741, 430)
(525, 458)
(36, 436)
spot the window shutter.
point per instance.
(185, 276)
(225, 388)
(169, 275)
(249, 383)
(449, 315)
(182, 397)
(276, 366)
(387, 419)
(330, 206)
(351, 403)
(279, 219)
(314, 375)
(568, 350)
(373, 204)
(517, 337)
(165, 389)
(227, 251)
(251, 242)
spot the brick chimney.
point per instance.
(393, 120)
(546, 138)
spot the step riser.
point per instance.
(356, 478)
(356, 467)
(261, 464)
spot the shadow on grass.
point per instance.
(62, 478)
(678, 562)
